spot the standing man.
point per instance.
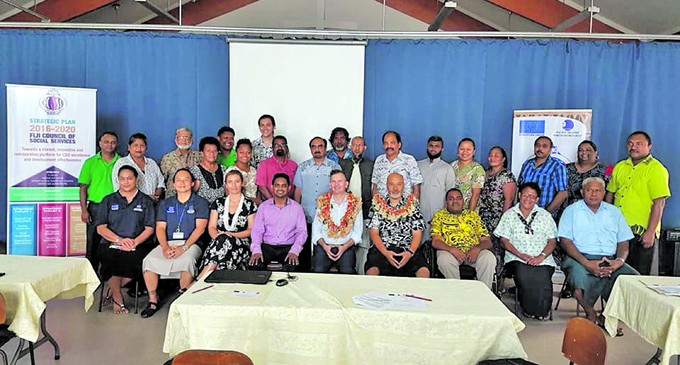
(339, 140)
(639, 187)
(95, 183)
(311, 180)
(181, 158)
(263, 147)
(438, 178)
(279, 231)
(549, 173)
(337, 227)
(396, 228)
(358, 171)
(227, 156)
(279, 163)
(395, 161)
(459, 236)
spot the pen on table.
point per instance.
(417, 297)
(202, 289)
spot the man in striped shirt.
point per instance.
(549, 173)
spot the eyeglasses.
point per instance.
(529, 196)
(185, 138)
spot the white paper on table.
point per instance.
(387, 301)
(672, 290)
(245, 294)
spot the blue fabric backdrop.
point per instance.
(465, 88)
(469, 88)
(146, 82)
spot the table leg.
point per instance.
(46, 337)
(656, 358)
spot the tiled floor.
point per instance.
(104, 338)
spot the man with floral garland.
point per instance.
(396, 228)
(337, 227)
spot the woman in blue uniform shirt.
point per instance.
(125, 221)
(180, 222)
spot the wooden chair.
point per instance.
(584, 342)
(210, 357)
(6, 335)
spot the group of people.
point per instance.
(247, 205)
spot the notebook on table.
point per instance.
(238, 277)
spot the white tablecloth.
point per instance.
(31, 281)
(314, 321)
(655, 317)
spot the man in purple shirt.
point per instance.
(279, 163)
(280, 229)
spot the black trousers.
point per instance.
(93, 238)
(276, 253)
(639, 257)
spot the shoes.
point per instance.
(150, 310)
(566, 293)
(121, 307)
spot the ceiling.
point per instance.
(615, 16)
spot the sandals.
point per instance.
(150, 310)
(600, 323)
(121, 307)
(108, 299)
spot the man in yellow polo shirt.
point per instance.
(95, 183)
(639, 187)
(460, 237)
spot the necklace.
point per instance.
(323, 204)
(385, 210)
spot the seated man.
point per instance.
(396, 228)
(595, 236)
(337, 227)
(279, 230)
(459, 236)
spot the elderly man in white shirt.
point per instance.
(337, 227)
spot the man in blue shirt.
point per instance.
(549, 173)
(311, 180)
(595, 236)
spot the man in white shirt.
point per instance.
(438, 178)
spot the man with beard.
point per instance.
(358, 171)
(95, 183)
(395, 161)
(438, 178)
(279, 163)
(180, 158)
(311, 180)
(339, 139)
(227, 156)
(639, 187)
(396, 228)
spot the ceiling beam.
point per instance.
(26, 10)
(194, 13)
(157, 10)
(445, 11)
(551, 13)
(426, 10)
(60, 10)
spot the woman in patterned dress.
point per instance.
(528, 234)
(497, 196)
(209, 174)
(243, 156)
(231, 219)
(585, 166)
(469, 173)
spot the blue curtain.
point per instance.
(146, 82)
(469, 88)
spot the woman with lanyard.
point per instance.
(209, 174)
(528, 234)
(231, 219)
(180, 222)
(125, 221)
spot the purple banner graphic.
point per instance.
(51, 229)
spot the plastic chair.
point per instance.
(584, 342)
(6, 335)
(210, 357)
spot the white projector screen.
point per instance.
(308, 88)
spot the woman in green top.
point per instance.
(469, 173)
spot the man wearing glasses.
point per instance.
(460, 237)
(279, 163)
(181, 157)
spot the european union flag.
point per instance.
(532, 126)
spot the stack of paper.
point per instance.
(388, 301)
(673, 290)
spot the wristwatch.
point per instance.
(621, 259)
(409, 250)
